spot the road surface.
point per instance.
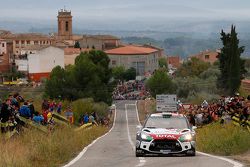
(116, 149)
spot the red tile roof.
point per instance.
(131, 50)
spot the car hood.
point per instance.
(161, 133)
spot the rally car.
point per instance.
(165, 133)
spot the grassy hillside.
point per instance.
(34, 148)
(223, 139)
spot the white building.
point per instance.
(143, 59)
(41, 63)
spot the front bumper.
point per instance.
(164, 146)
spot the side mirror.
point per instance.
(138, 127)
(194, 127)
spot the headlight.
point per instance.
(146, 137)
(186, 138)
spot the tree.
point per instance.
(130, 74)
(77, 45)
(160, 83)
(163, 62)
(55, 85)
(118, 73)
(193, 67)
(88, 78)
(231, 65)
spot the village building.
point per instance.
(99, 42)
(143, 59)
(21, 41)
(70, 55)
(174, 61)
(39, 64)
(43, 61)
(5, 54)
(207, 56)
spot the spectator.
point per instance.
(38, 118)
(86, 118)
(25, 111)
(45, 105)
(45, 116)
(69, 114)
(5, 116)
(31, 107)
(191, 119)
(92, 120)
(14, 100)
(59, 108)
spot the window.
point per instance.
(2, 44)
(28, 42)
(17, 42)
(22, 42)
(67, 26)
(206, 56)
(113, 62)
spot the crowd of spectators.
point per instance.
(131, 90)
(222, 110)
(89, 118)
(15, 107)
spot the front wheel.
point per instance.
(191, 152)
(139, 153)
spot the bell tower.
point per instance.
(64, 24)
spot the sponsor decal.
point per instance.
(165, 136)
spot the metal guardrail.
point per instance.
(83, 127)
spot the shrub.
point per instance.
(82, 106)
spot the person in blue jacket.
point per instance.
(25, 111)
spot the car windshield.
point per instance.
(169, 123)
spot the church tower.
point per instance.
(64, 24)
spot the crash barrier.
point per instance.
(238, 122)
(68, 120)
(84, 126)
(60, 117)
(29, 122)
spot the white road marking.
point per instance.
(79, 156)
(142, 160)
(129, 137)
(235, 163)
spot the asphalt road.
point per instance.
(116, 149)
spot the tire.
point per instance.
(138, 154)
(192, 154)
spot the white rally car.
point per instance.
(166, 133)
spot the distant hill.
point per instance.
(185, 46)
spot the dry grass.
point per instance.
(36, 149)
(223, 139)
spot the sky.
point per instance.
(124, 12)
(127, 9)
